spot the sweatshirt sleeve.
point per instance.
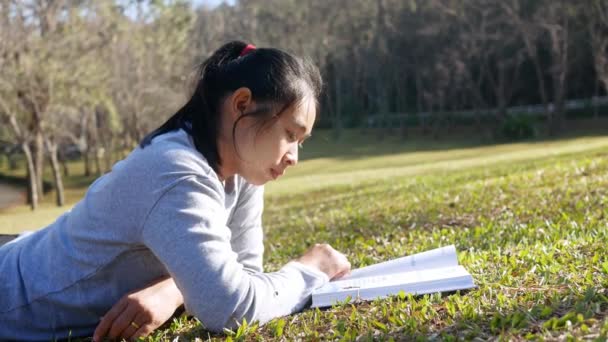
(186, 229)
(246, 226)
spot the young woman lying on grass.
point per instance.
(179, 220)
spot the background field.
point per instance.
(529, 221)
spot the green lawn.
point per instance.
(530, 222)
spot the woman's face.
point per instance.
(266, 152)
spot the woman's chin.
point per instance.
(257, 180)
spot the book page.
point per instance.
(415, 282)
(435, 258)
(427, 277)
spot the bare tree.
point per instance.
(522, 17)
(557, 20)
(597, 15)
(13, 45)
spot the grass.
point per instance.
(530, 222)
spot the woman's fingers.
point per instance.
(139, 322)
(145, 329)
(123, 321)
(106, 321)
(327, 260)
(340, 263)
(342, 274)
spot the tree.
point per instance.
(13, 108)
(597, 19)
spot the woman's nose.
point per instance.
(291, 157)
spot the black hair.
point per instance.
(275, 78)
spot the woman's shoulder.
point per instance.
(170, 159)
(173, 152)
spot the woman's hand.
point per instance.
(139, 313)
(327, 260)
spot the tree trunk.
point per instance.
(478, 102)
(87, 161)
(38, 154)
(559, 79)
(31, 175)
(559, 109)
(383, 109)
(501, 95)
(596, 95)
(12, 162)
(555, 124)
(98, 156)
(403, 126)
(541, 83)
(64, 163)
(108, 155)
(59, 191)
(419, 98)
(440, 117)
(338, 112)
(477, 118)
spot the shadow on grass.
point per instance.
(22, 182)
(357, 144)
(18, 186)
(81, 181)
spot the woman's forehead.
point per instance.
(303, 113)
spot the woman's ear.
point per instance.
(241, 100)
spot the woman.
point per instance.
(179, 220)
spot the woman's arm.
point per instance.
(246, 227)
(141, 312)
(156, 303)
(187, 231)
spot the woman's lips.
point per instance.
(276, 174)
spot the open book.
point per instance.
(436, 270)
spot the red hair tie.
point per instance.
(247, 49)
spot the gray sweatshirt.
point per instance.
(161, 211)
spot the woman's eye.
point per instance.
(293, 137)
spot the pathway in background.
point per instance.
(10, 195)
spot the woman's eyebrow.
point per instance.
(301, 127)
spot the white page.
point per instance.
(415, 282)
(410, 277)
(435, 258)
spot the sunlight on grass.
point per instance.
(21, 218)
(324, 172)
